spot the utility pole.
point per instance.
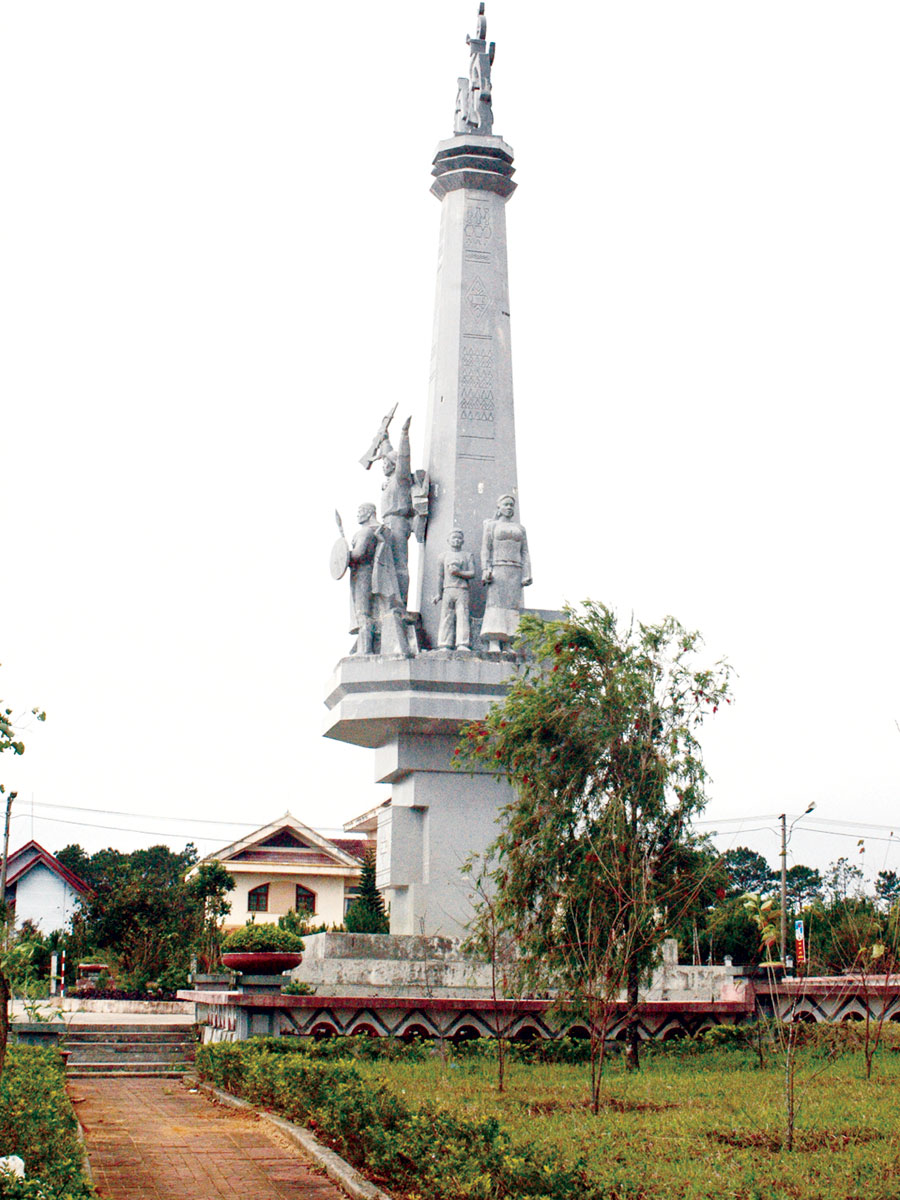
(9, 804)
(4, 926)
(783, 819)
(784, 845)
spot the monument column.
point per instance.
(409, 709)
(470, 430)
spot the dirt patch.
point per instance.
(543, 1108)
(807, 1140)
(635, 1105)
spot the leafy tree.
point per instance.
(842, 880)
(840, 931)
(77, 860)
(887, 888)
(598, 735)
(748, 871)
(729, 929)
(367, 913)
(804, 886)
(144, 912)
(208, 888)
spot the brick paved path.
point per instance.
(152, 1139)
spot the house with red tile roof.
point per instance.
(286, 865)
(41, 890)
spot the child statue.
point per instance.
(457, 568)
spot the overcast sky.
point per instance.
(217, 256)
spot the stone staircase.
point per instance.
(135, 1050)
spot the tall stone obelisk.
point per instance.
(409, 708)
(470, 432)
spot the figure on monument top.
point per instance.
(506, 569)
(404, 496)
(473, 100)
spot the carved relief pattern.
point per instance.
(476, 384)
(478, 302)
(477, 233)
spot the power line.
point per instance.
(112, 812)
(167, 833)
(204, 837)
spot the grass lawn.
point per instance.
(692, 1124)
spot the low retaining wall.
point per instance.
(366, 964)
(234, 1016)
(160, 1007)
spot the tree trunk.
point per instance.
(4, 1018)
(789, 1105)
(632, 1038)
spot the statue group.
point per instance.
(377, 556)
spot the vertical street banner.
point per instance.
(800, 943)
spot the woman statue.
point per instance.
(506, 569)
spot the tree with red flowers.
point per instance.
(596, 861)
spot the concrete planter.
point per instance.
(262, 962)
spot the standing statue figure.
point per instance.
(375, 608)
(456, 569)
(506, 569)
(397, 504)
(404, 496)
(473, 100)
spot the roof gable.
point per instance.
(286, 840)
(27, 857)
(285, 837)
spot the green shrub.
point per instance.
(731, 1037)
(12, 1188)
(37, 1123)
(561, 1050)
(430, 1152)
(262, 939)
(295, 988)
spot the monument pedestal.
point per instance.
(410, 711)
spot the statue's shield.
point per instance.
(340, 558)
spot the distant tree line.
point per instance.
(842, 913)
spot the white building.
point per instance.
(41, 890)
(286, 865)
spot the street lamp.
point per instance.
(785, 837)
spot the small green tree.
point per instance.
(598, 735)
(209, 890)
(489, 941)
(787, 1032)
(367, 913)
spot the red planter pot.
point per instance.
(262, 963)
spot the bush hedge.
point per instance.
(262, 939)
(437, 1155)
(37, 1123)
(376, 1049)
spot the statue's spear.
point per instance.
(372, 453)
(340, 551)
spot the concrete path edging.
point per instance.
(335, 1167)
(85, 1158)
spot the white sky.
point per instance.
(217, 255)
